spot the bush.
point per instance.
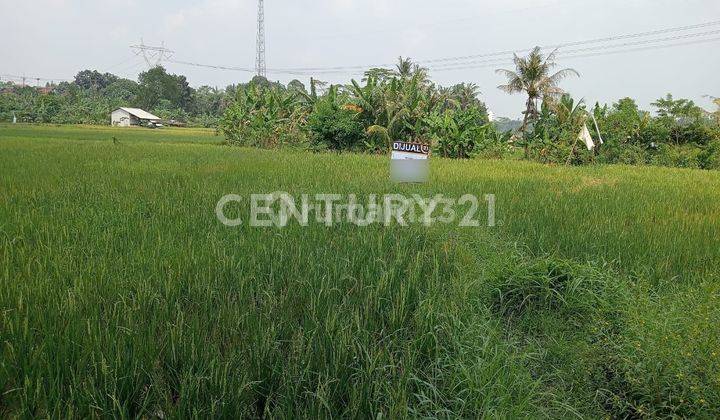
(335, 128)
(677, 156)
(710, 157)
(459, 133)
(632, 155)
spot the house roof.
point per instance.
(140, 113)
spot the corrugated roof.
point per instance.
(140, 113)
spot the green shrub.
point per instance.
(459, 133)
(632, 155)
(335, 128)
(688, 156)
(710, 157)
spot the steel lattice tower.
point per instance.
(260, 68)
(154, 56)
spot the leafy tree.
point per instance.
(381, 75)
(406, 69)
(94, 80)
(156, 85)
(504, 124)
(122, 91)
(260, 81)
(680, 122)
(555, 134)
(207, 101)
(716, 114)
(466, 95)
(677, 108)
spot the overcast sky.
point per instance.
(56, 38)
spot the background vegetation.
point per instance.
(397, 104)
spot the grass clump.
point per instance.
(565, 287)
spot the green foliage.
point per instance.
(555, 135)
(390, 105)
(92, 96)
(156, 85)
(668, 107)
(459, 133)
(94, 80)
(679, 136)
(686, 156)
(335, 127)
(711, 156)
(264, 117)
(669, 363)
(563, 287)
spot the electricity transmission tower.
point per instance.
(260, 68)
(153, 56)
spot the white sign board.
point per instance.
(409, 162)
(416, 151)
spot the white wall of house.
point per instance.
(120, 118)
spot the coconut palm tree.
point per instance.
(404, 68)
(533, 76)
(466, 94)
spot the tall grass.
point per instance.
(122, 295)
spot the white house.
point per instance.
(125, 117)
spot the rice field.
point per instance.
(121, 294)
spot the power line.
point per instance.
(597, 54)
(561, 53)
(464, 62)
(37, 78)
(444, 23)
(516, 51)
(210, 66)
(570, 54)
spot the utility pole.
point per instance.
(260, 68)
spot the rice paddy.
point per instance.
(122, 295)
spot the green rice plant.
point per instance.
(121, 295)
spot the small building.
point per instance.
(45, 90)
(126, 117)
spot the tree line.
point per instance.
(366, 115)
(92, 95)
(404, 104)
(401, 103)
